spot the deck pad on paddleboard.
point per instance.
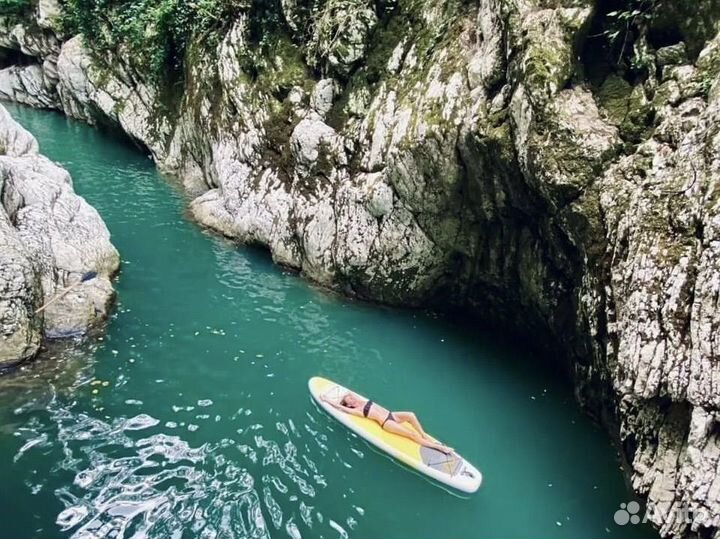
(452, 470)
(449, 464)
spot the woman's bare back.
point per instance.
(377, 413)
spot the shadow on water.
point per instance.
(191, 416)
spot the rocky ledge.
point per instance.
(49, 239)
(507, 158)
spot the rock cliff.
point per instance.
(532, 162)
(49, 238)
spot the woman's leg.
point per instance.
(397, 428)
(413, 420)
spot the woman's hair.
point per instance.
(344, 401)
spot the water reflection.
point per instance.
(128, 477)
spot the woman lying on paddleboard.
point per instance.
(353, 404)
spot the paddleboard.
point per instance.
(451, 470)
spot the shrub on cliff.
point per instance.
(15, 7)
(156, 32)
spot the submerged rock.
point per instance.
(49, 238)
(454, 154)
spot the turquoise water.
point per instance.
(191, 417)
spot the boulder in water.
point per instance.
(49, 238)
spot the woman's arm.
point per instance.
(351, 411)
(347, 410)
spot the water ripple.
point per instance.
(132, 479)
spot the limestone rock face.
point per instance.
(48, 12)
(49, 238)
(473, 155)
(340, 34)
(82, 96)
(32, 80)
(662, 215)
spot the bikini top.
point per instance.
(366, 408)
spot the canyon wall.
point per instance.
(483, 155)
(50, 238)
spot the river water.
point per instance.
(191, 417)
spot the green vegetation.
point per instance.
(624, 24)
(15, 7)
(623, 20)
(156, 32)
